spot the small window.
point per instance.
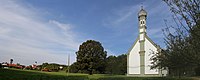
(142, 22)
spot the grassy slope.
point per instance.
(15, 74)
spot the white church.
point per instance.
(138, 56)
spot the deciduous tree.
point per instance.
(182, 53)
(91, 57)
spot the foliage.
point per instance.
(74, 68)
(111, 64)
(91, 57)
(11, 61)
(182, 53)
(1, 65)
(52, 67)
(116, 65)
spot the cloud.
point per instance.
(26, 37)
(64, 27)
(121, 15)
(155, 33)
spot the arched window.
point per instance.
(141, 22)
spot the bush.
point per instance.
(0, 65)
(197, 71)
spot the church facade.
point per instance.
(138, 56)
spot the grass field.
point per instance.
(15, 74)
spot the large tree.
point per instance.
(182, 53)
(91, 57)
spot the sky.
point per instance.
(50, 30)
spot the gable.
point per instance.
(154, 44)
(133, 46)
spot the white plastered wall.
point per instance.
(149, 47)
(134, 60)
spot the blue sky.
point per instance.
(49, 30)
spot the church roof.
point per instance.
(142, 12)
(154, 44)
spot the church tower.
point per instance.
(142, 15)
(138, 56)
(142, 33)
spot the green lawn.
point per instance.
(16, 74)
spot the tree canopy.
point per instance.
(91, 57)
(116, 64)
(182, 53)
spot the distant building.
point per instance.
(138, 59)
(7, 65)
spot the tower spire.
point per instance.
(141, 5)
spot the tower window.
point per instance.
(142, 22)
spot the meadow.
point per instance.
(16, 74)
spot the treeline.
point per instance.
(114, 65)
(92, 59)
(182, 54)
(51, 67)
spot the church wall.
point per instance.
(134, 60)
(149, 47)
